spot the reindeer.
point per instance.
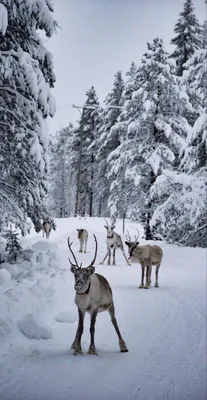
(83, 238)
(113, 242)
(94, 295)
(46, 229)
(147, 256)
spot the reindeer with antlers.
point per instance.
(113, 242)
(147, 256)
(94, 295)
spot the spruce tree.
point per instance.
(188, 36)
(60, 197)
(107, 139)
(12, 246)
(151, 138)
(181, 217)
(25, 102)
(89, 121)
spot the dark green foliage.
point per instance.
(12, 246)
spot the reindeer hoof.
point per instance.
(156, 285)
(92, 351)
(114, 263)
(141, 287)
(77, 351)
(101, 263)
(124, 350)
(146, 287)
(129, 263)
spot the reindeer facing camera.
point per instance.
(83, 239)
(94, 295)
(113, 242)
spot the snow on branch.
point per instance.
(3, 19)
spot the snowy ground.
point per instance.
(164, 328)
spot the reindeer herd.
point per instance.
(93, 292)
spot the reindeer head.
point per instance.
(82, 275)
(131, 244)
(80, 231)
(110, 228)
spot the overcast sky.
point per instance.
(99, 37)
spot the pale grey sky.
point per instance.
(99, 37)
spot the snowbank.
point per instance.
(29, 290)
(34, 328)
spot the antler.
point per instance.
(128, 237)
(94, 259)
(113, 220)
(136, 238)
(76, 262)
(106, 222)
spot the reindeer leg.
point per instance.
(76, 346)
(81, 247)
(122, 344)
(109, 256)
(85, 246)
(148, 268)
(150, 273)
(114, 253)
(92, 347)
(142, 281)
(156, 275)
(104, 259)
(128, 262)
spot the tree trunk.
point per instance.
(99, 208)
(91, 188)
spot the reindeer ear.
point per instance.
(77, 229)
(91, 270)
(72, 269)
(127, 243)
(105, 226)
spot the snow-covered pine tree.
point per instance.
(153, 134)
(188, 36)
(90, 121)
(61, 194)
(182, 216)
(25, 102)
(12, 245)
(107, 140)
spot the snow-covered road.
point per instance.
(164, 329)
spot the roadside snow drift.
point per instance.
(28, 290)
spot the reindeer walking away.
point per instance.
(147, 256)
(83, 239)
(93, 295)
(113, 242)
